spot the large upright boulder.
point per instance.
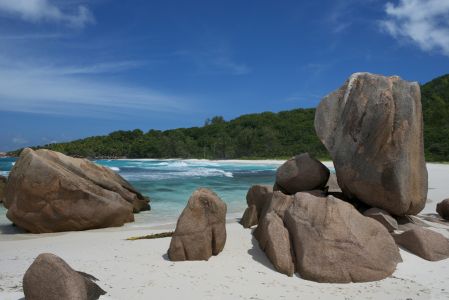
(201, 229)
(302, 173)
(326, 239)
(47, 191)
(50, 278)
(373, 128)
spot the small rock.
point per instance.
(425, 243)
(140, 205)
(50, 278)
(302, 173)
(443, 209)
(249, 217)
(382, 217)
(258, 195)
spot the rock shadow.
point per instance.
(257, 253)
(12, 229)
(165, 257)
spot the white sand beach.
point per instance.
(140, 269)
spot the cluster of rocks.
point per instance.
(346, 227)
(48, 191)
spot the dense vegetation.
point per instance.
(435, 102)
(264, 135)
(267, 134)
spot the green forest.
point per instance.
(262, 135)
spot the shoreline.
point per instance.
(141, 269)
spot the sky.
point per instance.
(72, 69)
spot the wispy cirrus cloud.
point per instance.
(421, 22)
(19, 139)
(58, 90)
(42, 10)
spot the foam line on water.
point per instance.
(114, 168)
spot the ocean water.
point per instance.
(170, 183)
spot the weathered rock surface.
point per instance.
(50, 278)
(443, 209)
(201, 228)
(333, 184)
(47, 191)
(302, 173)
(372, 126)
(250, 217)
(258, 195)
(382, 217)
(352, 248)
(2, 186)
(425, 243)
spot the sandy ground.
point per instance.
(141, 270)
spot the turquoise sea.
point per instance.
(170, 183)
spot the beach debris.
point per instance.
(249, 217)
(152, 236)
(48, 191)
(443, 209)
(425, 243)
(50, 278)
(326, 239)
(382, 217)
(258, 195)
(140, 205)
(2, 186)
(302, 173)
(201, 229)
(373, 128)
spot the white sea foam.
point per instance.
(108, 160)
(180, 164)
(179, 174)
(4, 173)
(114, 168)
(13, 163)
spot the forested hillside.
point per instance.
(435, 102)
(264, 135)
(267, 134)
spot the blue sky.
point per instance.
(71, 69)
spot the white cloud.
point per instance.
(59, 90)
(41, 10)
(19, 139)
(422, 22)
